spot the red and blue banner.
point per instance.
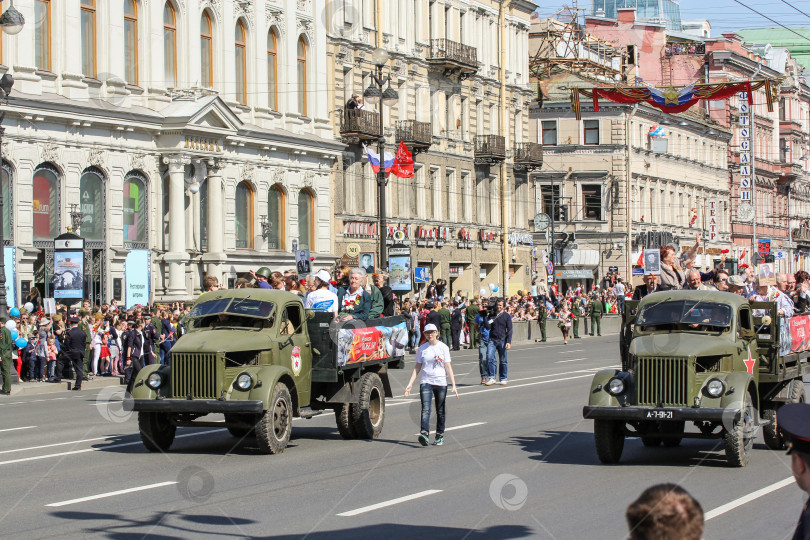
(374, 160)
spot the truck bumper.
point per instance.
(662, 414)
(193, 406)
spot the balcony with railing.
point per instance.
(490, 149)
(358, 125)
(528, 155)
(416, 135)
(453, 56)
(674, 48)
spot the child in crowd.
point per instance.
(52, 353)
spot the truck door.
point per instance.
(296, 351)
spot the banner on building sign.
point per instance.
(711, 219)
(68, 274)
(10, 262)
(137, 271)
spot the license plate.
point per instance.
(661, 415)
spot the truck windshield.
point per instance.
(693, 313)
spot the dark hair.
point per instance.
(716, 278)
(663, 250)
(665, 512)
(802, 276)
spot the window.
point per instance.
(241, 63)
(89, 38)
(302, 76)
(591, 131)
(549, 132)
(305, 220)
(91, 198)
(206, 51)
(42, 34)
(45, 203)
(244, 216)
(291, 321)
(592, 203)
(551, 201)
(169, 46)
(272, 70)
(275, 216)
(6, 178)
(135, 210)
(131, 41)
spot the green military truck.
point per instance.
(708, 358)
(260, 359)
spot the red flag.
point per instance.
(640, 261)
(403, 162)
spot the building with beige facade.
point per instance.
(460, 69)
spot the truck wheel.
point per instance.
(343, 419)
(369, 414)
(609, 440)
(740, 439)
(234, 424)
(157, 431)
(274, 428)
(672, 428)
(770, 432)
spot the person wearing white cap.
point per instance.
(322, 299)
(433, 361)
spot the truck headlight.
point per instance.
(154, 380)
(615, 386)
(715, 388)
(244, 381)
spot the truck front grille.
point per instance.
(663, 381)
(195, 375)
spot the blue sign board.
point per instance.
(138, 277)
(421, 274)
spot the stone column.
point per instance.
(216, 223)
(177, 257)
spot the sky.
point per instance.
(724, 15)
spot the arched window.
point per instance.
(302, 76)
(169, 45)
(131, 41)
(206, 51)
(272, 70)
(305, 220)
(135, 210)
(42, 34)
(45, 204)
(91, 198)
(240, 38)
(275, 216)
(88, 18)
(244, 216)
(6, 177)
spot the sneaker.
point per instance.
(439, 440)
(489, 382)
(424, 439)
(502, 382)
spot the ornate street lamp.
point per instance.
(374, 94)
(6, 82)
(12, 21)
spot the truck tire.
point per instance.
(672, 428)
(234, 424)
(343, 419)
(274, 427)
(770, 432)
(739, 440)
(609, 440)
(369, 414)
(157, 431)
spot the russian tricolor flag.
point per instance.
(374, 159)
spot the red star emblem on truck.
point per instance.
(749, 364)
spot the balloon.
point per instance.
(29, 307)
(482, 292)
(11, 325)
(21, 342)
(492, 287)
(14, 335)
(495, 289)
(14, 312)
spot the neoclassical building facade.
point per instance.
(182, 137)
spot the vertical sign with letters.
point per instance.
(745, 149)
(138, 277)
(711, 219)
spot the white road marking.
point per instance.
(111, 494)
(18, 428)
(460, 427)
(37, 400)
(97, 449)
(572, 360)
(54, 444)
(392, 502)
(720, 510)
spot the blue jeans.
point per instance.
(415, 336)
(499, 346)
(426, 391)
(486, 350)
(36, 366)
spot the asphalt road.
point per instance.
(518, 461)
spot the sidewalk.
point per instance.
(35, 388)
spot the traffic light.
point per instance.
(563, 212)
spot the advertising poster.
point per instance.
(10, 260)
(357, 345)
(137, 269)
(400, 279)
(68, 274)
(799, 333)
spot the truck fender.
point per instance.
(141, 391)
(598, 396)
(742, 382)
(265, 379)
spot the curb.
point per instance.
(32, 389)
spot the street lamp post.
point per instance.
(6, 82)
(373, 94)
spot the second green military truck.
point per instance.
(708, 359)
(260, 359)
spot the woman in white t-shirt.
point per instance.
(433, 361)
